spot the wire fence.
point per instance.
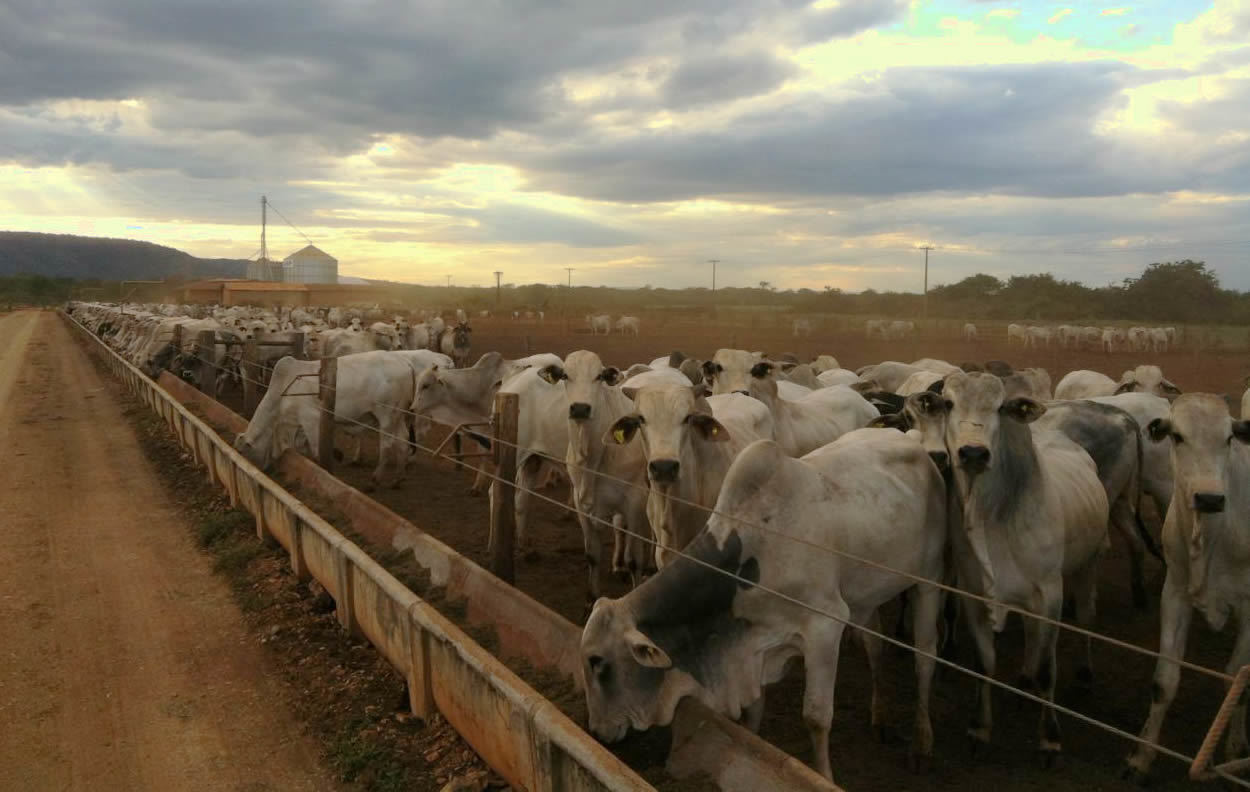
(807, 606)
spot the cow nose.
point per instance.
(579, 411)
(1208, 502)
(974, 458)
(940, 458)
(664, 470)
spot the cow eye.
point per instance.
(1177, 438)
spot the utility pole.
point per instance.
(449, 281)
(264, 218)
(925, 309)
(498, 275)
(570, 269)
(713, 262)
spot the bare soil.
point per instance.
(434, 497)
(123, 662)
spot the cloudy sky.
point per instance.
(802, 143)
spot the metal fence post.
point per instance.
(177, 342)
(327, 379)
(298, 340)
(207, 342)
(502, 517)
(250, 373)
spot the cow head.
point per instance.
(1208, 458)
(670, 419)
(1148, 379)
(729, 371)
(584, 377)
(629, 678)
(977, 405)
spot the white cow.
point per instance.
(1084, 384)
(689, 442)
(920, 381)
(628, 325)
(970, 331)
(1156, 466)
(1016, 332)
(599, 322)
(818, 419)
(1038, 335)
(1034, 516)
(837, 376)
(900, 329)
(1158, 340)
(802, 327)
(877, 327)
(935, 365)
(1207, 552)
(889, 375)
(871, 494)
(609, 480)
(370, 384)
(823, 363)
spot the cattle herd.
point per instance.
(760, 506)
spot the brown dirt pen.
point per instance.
(434, 496)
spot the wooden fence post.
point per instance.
(177, 342)
(250, 372)
(297, 345)
(327, 379)
(207, 341)
(502, 517)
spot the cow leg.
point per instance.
(1236, 746)
(1084, 587)
(482, 480)
(392, 440)
(823, 638)
(620, 545)
(926, 602)
(526, 477)
(592, 544)
(872, 648)
(1124, 520)
(983, 639)
(1175, 612)
(1040, 641)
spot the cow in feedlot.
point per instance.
(722, 623)
(729, 371)
(377, 384)
(609, 480)
(1034, 521)
(1113, 440)
(1207, 550)
(689, 442)
(819, 418)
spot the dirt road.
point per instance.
(124, 664)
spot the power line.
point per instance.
(288, 222)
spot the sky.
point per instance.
(806, 144)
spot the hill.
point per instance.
(67, 256)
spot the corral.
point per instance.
(433, 499)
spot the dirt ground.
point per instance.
(124, 665)
(434, 497)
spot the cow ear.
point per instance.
(1126, 387)
(610, 376)
(645, 652)
(1023, 409)
(889, 421)
(931, 403)
(552, 374)
(1241, 431)
(1160, 429)
(709, 428)
(709, 368)
(761, 370)
(623, 430)
(1170, 389)
(937, 386)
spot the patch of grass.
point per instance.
(359, 759)
(213, 528)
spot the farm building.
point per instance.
(310, 265)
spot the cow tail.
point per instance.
(1142, 531)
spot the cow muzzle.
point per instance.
(1208, 502)
(664, 471)
(579, 411)
(974, 458)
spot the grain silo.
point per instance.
(310, 265)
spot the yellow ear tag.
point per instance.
(715, 429)
(619, 434)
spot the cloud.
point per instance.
(719, 78)
(1059, 16)
(1004, 13)
(1109, 12)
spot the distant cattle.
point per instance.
(599, 323)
